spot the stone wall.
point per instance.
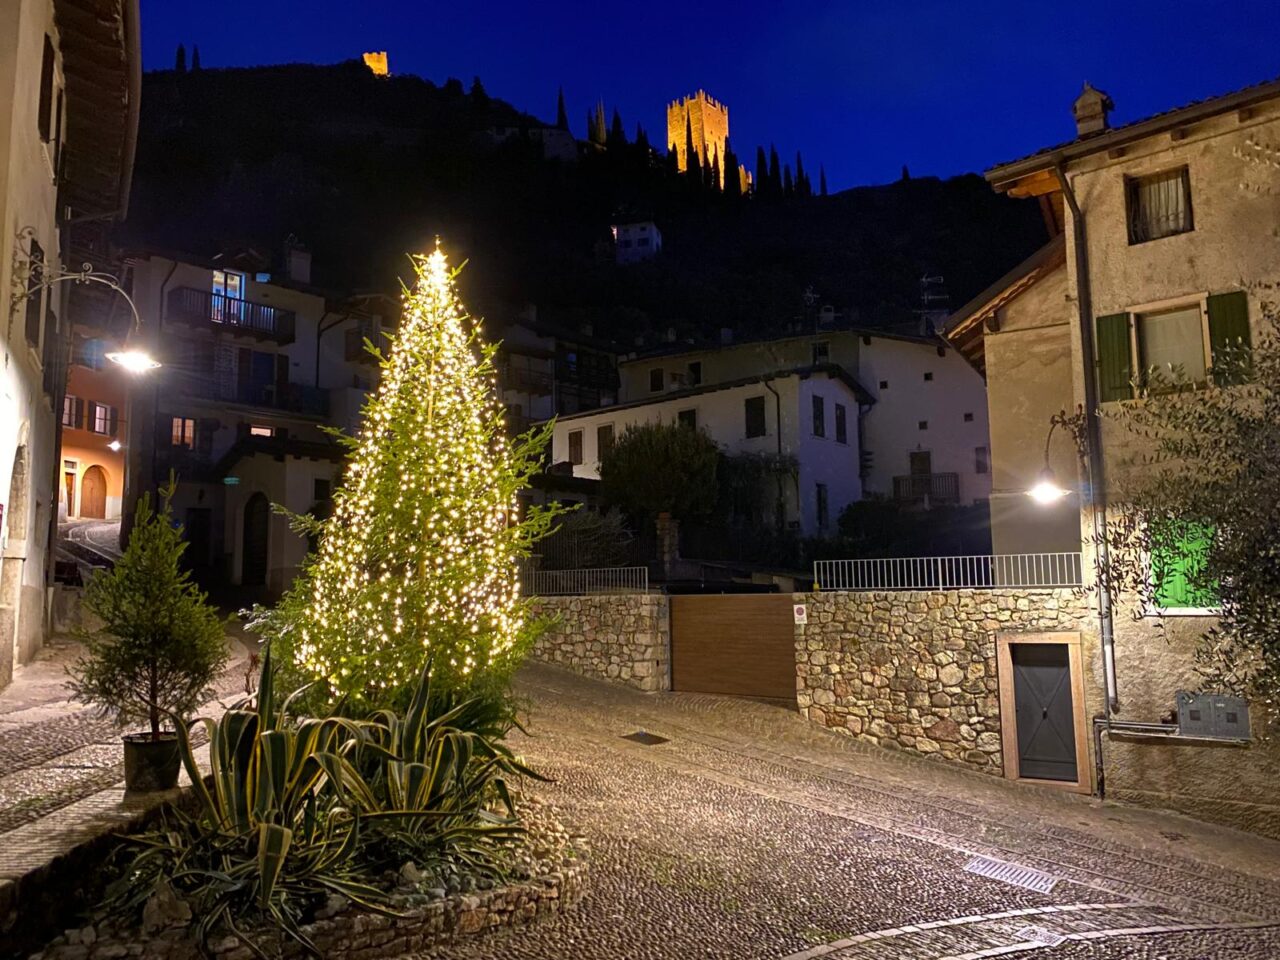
(621, 637)
(917, 670)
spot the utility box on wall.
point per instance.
(1215, 715)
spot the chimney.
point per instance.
(1090, 110)
(297, 260)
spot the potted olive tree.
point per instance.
(158, 649)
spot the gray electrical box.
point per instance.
(1217, 715)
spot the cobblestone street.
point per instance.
(749, 833)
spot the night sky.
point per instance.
(945, 87)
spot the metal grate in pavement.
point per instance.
(1034, 934)
(1015, 874)
(645, 738)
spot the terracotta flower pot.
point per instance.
(150, 765)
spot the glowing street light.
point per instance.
(115, 446)
(133, 360)
(1047, 490)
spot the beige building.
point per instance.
(69, 81)
(1166, 242)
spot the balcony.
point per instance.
(203, 308)
(288, 398)
(537, 383)
(933, 489)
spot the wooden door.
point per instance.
(93, 493)
(738, 644)
(1042, 692)
(257, 517)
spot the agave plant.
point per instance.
(277, 828)
(443, 781)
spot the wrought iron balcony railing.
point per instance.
(937, 488)
(203, 307)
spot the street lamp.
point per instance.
(133, 360)
(1046, 490)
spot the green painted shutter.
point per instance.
(1114, 363)
(1179, 556)
(1229, 331)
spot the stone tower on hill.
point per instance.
(708, 120)
(376, 61)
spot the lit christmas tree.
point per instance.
(420, 557)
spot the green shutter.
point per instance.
(1114, 364)
(1179, 557)
(1229, 331)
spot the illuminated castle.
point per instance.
(708, 120)
(376, 61)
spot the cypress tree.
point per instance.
(617, 135)
(673, 160)
(692, 160)
(732, 184)
(762, 172)
(195, 57)
(802, 181)
(788, 185)
(713, 171)
(180, 59)
(775, 172)
(596, 130)
(642, 140)
(822, 179)
(562, 116)
(479, 95)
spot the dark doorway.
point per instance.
(198, 530)
(1043, 708)
(257, 516)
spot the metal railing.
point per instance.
(291, 397)
(204, 306)
(567, 583)
(1039, 570)
(935, 487)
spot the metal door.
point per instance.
(740, 644)
(1043, 708)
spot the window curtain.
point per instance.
(1173, 341)
(1161, 207)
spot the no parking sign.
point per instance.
(801, 612)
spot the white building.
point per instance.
(921, 427)
(254, 367)
(808, 415)
(634, 242)
(69, 80)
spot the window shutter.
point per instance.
(77, 417)
(1229, 330)
(113, 421)
(1114, 362)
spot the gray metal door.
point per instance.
(1042, 703)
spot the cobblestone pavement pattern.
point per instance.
(750, 833)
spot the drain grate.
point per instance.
(646, 738)
(1012, 873)
(1032, 934)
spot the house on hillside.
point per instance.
(635, 242)
(1167, 250)
(69, 78)
(254, 367)
(920, 424)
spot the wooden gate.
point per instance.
(93, 493)
(738, 644)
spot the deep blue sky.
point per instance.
(863, 87)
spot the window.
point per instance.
(821, 352)
(695, 373)
(842, 424)
(320, 489)
(227, 286)
(102, 418)
(753, 412)
(604, 440)
(93, 353)
(44, 118)
(884, 384)
(1202, 339)
(688, 418)
(1159, 205)
(923, 425)
(968, 418)
(258, 430)
(819, 417)
(642, 242)
(70, 411)
(981, 462)
(655, 380)
(1179, 555)
(57, 138)
(928, 376)
(183, 433)
(820, 497)
(575, 446)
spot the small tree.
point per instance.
(161, 644)
(1197, 519)
(658, 468)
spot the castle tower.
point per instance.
(376, 61)
(709, 121)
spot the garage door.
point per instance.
(743, 645)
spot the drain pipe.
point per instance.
(1095, 476)
(780, 510)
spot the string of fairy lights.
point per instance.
(420, 556)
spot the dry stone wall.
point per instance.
(622, 637)
(917, 670)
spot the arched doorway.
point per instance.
(93, 493)
(257, 517)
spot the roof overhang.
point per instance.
(102, 63)
(966, 329)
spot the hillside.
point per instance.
(364, 169)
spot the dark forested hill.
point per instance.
(365, 169)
